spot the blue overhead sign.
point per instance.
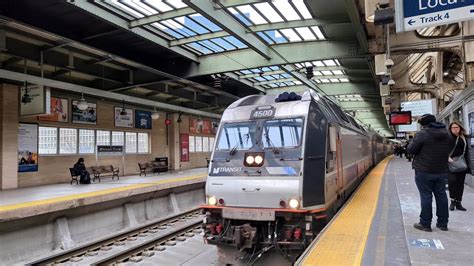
(415, 14)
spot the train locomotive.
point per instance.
(281, 168)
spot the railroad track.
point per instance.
(131, 245)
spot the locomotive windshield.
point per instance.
(237, 136)
(283, 133)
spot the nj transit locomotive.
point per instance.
(279, 172)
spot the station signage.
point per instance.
(415, 14)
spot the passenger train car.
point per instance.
(280, 169)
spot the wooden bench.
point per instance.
(74, 176)
(102, 170)
(159, 165)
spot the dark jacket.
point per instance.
(431, 147)
(80, 169)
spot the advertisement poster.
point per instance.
(27, 147)
(88, 116)
(206, 127)
(184, 147)
(143, 119)
(194, 127)
(58, 111)
(123, 120)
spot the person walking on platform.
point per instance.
(80, 169)
(458, 165)
(430, 148)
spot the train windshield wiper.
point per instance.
(234, 149)
(272, 146)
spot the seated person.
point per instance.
(80, 169)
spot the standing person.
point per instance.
(80, 169)
(456, 179)
(430, 148)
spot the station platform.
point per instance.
(375, 227)
(32, 201)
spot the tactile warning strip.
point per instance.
(343, 241)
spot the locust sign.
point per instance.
(415, 14)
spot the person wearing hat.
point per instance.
(430, 148)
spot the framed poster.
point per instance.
(88, 116)
(184, 141)
(206, 127)
(27, 147)
(58, 111)
(123, 120)
(143, 119)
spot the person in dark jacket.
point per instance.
(456, 180)
(430, 148)
(80, 169)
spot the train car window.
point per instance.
(283, 133)
(331, 148)
(237, 136)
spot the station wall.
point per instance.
(54, 168)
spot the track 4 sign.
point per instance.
(415, 14)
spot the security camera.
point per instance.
(389, 63)
(391, 82)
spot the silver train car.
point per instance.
(281, 168)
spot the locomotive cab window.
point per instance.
(283, 133)
(236, 136)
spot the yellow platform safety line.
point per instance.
(16, 206)
(344, 240)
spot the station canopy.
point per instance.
(248, 47)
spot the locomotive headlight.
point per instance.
(294, 203)
(211, 200)
(250, 159)
(258, 159)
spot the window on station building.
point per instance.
(86, 141)
(211, 144)
(103, 137)
(118, 138)
(205, 144)
(143, 143)
(67, 140)
(130, 142)
(198, 144)
(48, 140)
(192, 147)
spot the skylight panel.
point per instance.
(329, 63)
(318, 33)
(158, 4)
(245, 72)
(224, 44)
(318, 63)
(193, 25)
(266, 69)
(286, 9)
(308, 64)
(210, 45)
(317, 73)
(243, 19)
(300, 5)
(325, 80)
(235, 42)
(200, 48)
(253, 15)
(297, 82)
(265, 38)
(267, 10)
(205, 22)
(291, 35)
(344, 80)
(269, 77)
(337, 72)
(334, 80)
(274, 68)
(170, 23)
(298, 65)
(326, 72)
(143, 8)
(177, 3)
(127, 9)
(276, 36)
(159, 26)
(306, 33)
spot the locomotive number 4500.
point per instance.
(267, 113)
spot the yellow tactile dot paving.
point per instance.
(16, 206)
(343, 242)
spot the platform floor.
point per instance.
(24, 202)
(391, 239)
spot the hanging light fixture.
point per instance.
(26, 98)
(82, 104)
(123, 112)
(155, 115)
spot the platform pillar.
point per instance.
(8, 136)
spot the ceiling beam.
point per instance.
(331, 89)
(124, 24)
(274, 81)
(15, 76)
(244, 81)
(291, 53)
(227, 22)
